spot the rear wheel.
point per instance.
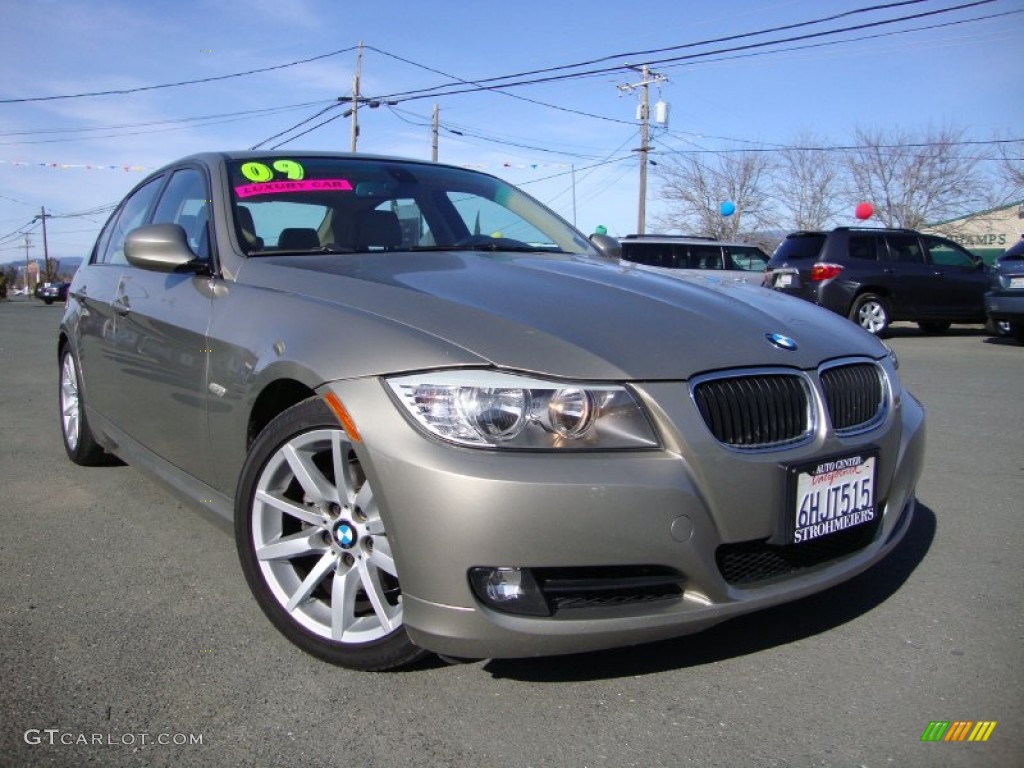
(998, 327)
(871, 312)
(1017, 330)
(934, 326)
(313, 545)
(79, 442)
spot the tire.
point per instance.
(79, 442)
(1017, 330)
(48, 302)
(871, 312)
(934, 326)
(997, 327)
(314, 550)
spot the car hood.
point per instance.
(569, 316)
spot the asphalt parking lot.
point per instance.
(129, 636)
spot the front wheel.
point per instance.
(313, 545)
(871, 312)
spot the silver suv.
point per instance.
(740, 261)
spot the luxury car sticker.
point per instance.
(271, 187)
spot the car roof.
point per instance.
(868, 230)
(229, 156)
(695, 239)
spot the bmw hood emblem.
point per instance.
(780, 341)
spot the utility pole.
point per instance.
(433, 135)
(574, 194)
(28, 244)
(357, 100)
(355, 97)
(46, 249)
(646, 78)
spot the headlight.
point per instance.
(489, 409)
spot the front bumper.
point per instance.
(448, 510)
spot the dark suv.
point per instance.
(1005, 302)
(876, 276)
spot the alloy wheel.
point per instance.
(320, 543)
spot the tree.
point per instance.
(808, 185)
(1011, 171)
(697, 185)
(912, 180)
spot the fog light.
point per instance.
(509, 590)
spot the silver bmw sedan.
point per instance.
(443, 420)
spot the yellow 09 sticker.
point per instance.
(254, 171)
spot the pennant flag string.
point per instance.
(79, 166)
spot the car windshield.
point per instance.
(352, 205)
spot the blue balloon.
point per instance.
(728, 208)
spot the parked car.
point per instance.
(738, 261)
(51, 292)
(1004, 303)
(481, 445)
(877, 276)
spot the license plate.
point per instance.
(1017, 282)
(832, 496)
(783, 281)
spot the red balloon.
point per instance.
(864, 211)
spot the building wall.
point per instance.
(987, 233)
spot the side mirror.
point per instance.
(607, 246)
(159, 247)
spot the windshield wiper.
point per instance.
(487, 247)
(328, 248)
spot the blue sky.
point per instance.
(967, 74)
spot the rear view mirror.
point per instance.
(607, 246)
(158, 247)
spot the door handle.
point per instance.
(120, 305)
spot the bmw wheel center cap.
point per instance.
(782, 342)
(345, 534)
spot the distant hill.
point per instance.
(67, 265)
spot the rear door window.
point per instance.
(863, 247)
(651, 254)
(706, 257)
(905, 249)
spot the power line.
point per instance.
(310, 130)
(503, 93)
(845, 148)
(197, 118)
(445, 90)
(123, 91)
(314, 116)
(862, 38)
